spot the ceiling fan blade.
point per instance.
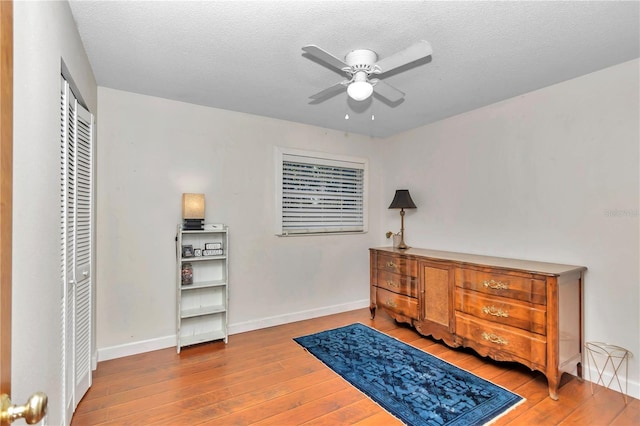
(419, 50)
(388, 92)
(325, 56)
(330, 91)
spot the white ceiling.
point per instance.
(247, 55)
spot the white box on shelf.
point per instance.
(213, 226)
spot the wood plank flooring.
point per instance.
(264, 378)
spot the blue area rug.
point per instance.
(416, 387)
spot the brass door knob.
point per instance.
(32, 412)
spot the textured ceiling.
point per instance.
(247, 55)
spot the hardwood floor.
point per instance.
(263, 377)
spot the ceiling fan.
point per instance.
(360, 64)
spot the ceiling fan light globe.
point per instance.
(360, 90)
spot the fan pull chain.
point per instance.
(373, 109)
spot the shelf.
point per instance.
(204, 310)
(201, 258)
(204, 284)
(201, 338)
(205, 231)
(201, 308)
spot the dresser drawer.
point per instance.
(502, 310)
(398, 265)
(401, 284)
(498, 340)
(403, 305)
(519, 287)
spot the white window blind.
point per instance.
(320, 193)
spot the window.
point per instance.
(320, 193)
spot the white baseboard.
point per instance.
(296, 316)
(135, 348)
(633, 387)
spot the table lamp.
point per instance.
(193, 211)
(402, 200)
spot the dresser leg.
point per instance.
(372, 309)
(579, 371)
(553, 388)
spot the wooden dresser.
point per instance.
(506, 309)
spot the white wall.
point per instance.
(152, 150)
(552, 176)
(44, 34)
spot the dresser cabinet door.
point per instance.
(437, 306)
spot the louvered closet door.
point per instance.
(82, 251)
(67, 170)
(76, 167)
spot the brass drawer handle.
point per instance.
(391, 303)
(391, 265)
(393, 284)
(496, 285)
(494, 338)
(496, 312)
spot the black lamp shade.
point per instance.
(402, 200)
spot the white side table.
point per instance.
(606, 356)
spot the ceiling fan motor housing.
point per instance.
(361, 60)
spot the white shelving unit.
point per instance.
(202, 305)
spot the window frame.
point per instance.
(320, 158)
